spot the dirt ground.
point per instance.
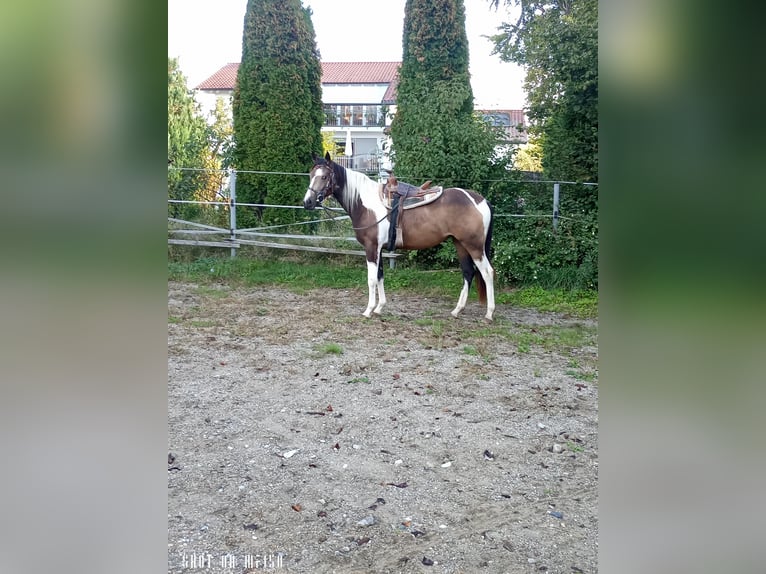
(306, 438)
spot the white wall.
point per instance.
(207, 100)
(352, 94)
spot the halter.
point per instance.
(328, 189)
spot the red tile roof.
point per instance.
(223, 79)
(332, 73)
(390, 96)
(359, 72)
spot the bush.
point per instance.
(533, 254)
(527, 251)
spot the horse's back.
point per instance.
(460, 193)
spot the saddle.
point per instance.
(399, 196)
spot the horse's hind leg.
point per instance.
(467, 267)
(488, 274)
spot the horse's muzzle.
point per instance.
(309, 200)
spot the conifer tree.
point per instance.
(277, 106)
(435, 133)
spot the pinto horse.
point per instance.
(459, 213)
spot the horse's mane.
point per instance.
(343, 176)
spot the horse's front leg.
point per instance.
(372, 282)
(381, 288)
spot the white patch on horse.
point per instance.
(361, 186)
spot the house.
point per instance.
(513, 121)
(359, 100)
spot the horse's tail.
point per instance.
(481, 286)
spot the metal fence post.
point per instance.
(233, 210)
(556, 206)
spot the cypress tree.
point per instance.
(435, 132)
(277, 106)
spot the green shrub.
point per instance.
(527, 250)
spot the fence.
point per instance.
(232, 238)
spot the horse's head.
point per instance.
(321, 182)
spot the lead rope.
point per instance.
(333, 218)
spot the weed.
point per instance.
(359, 380)
(469, 350)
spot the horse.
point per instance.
(461, 214)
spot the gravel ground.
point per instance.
(306, 438)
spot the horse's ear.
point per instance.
(327, 156)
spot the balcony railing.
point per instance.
(367, 163)
(355, 115)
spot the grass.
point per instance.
(582, 375)
(301, 275)
(578, 372)
(207, 291)
(582, 304)
(551, 337)
(330, 349)
(437, 325)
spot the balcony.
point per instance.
(367, 163)
(355, 115)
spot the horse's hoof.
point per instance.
(366, 314)
(455, 313)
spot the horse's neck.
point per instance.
(358, 186)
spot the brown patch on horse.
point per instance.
(448, 216)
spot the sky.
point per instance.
(206, 34)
